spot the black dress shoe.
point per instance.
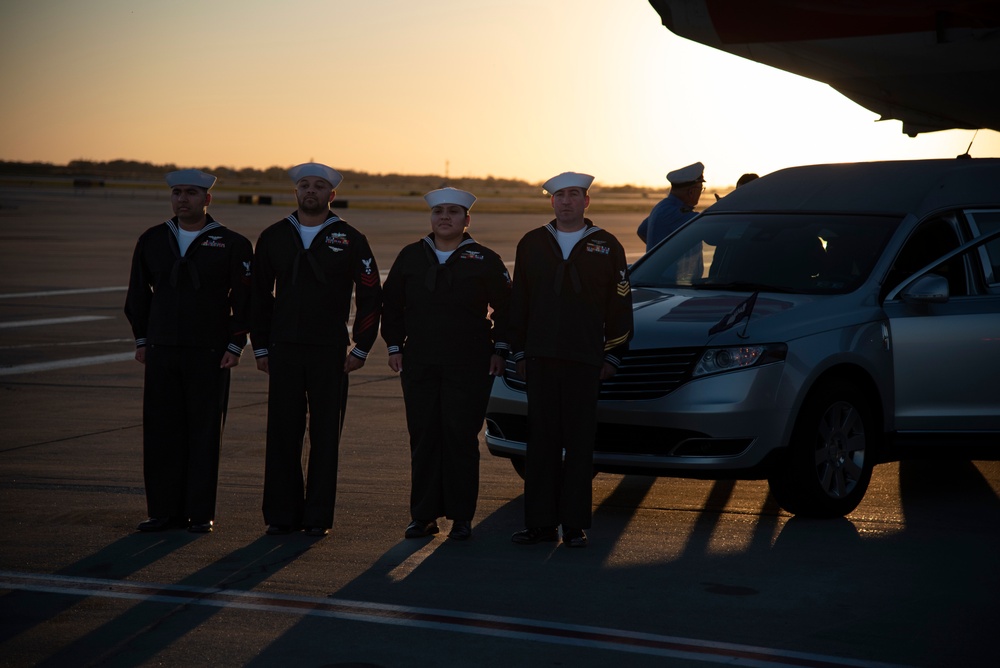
(460, 530)
(574, 537)
(535, 535)
(316, 532)
(278, 529)
(421, 528)
(156, 524)
(201, 527)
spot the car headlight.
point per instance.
(718, 360)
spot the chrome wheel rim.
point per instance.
(840, 452)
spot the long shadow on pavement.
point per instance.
(146, 628)
(823, 583)
(20, 610)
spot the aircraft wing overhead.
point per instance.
(934, 65)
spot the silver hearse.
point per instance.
(807, 326)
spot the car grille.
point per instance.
(630, 439)
(644, 374)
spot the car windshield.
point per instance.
(799, 253)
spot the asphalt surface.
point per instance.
(678, 573)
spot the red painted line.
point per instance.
(508, 627)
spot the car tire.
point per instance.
(828, 464)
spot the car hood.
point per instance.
(680, 318)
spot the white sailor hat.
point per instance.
(190, 177)
(567, 180)
(328, 174)
(450, 196)
(691, 174)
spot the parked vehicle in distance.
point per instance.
(807, 326)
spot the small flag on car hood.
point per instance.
(740, 312)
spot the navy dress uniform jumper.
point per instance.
(301, 307)
(568, 317)
(438, 316)
(187, 311)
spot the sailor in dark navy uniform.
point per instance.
(189, 306)
(447, 347)
(306, 268)
(570, 324)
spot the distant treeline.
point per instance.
(131, 169)
(145, 171)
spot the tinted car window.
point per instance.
(813, 254)
(932, 239)
(984, 222)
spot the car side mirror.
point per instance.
(928, 289)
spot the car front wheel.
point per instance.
(828, 464)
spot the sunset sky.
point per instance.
(505, 88)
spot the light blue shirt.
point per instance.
(668, 214)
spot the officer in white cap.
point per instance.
(447, 346)
(306, 268)
(189, 306)
(570, 324)
(686, 186)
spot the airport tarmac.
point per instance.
(679, 572)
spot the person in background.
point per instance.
(742, 181)
(686, 186)
(447, 346)
(188, 303)
(570, 324)
(306, 268)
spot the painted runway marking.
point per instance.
(63, 344)
(53, 321)
(54, 293)
(426, 618)
(66, 364)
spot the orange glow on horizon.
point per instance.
(518, 90)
